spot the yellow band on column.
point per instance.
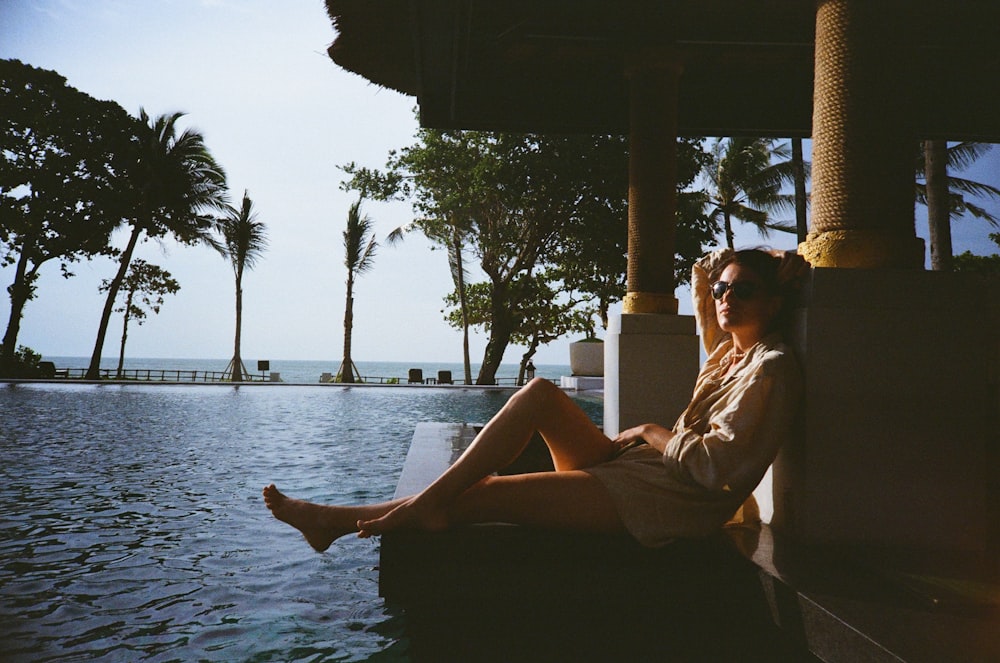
(862, 249)
(649, 302)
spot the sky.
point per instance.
(280, 117)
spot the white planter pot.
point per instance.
(587, 358)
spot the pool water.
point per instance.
(133, 527)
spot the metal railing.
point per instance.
(155, 375)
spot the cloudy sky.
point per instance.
(253, 76)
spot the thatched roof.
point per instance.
(557, 65)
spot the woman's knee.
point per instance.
(538, 392)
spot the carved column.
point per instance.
(652, 189)
(863, 144)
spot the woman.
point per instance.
(652, 482)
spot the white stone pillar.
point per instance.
(650, 366)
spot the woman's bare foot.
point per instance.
(412, 514)
(320, 525)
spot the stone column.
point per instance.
(651, 353)
(863, 143)
(898, 438)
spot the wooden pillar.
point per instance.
(863, 143)
(652, 194)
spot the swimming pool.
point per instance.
(133, 527)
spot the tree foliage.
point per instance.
(174, 184)
(359, 258)
(62, 169)
(244, 239)
(525, 206)
(144, 287)
(946, 196)
(967, 262)
(746, 179)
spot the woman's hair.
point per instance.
(765, 266)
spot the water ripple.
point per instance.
(134, 530)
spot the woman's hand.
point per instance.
(792, 268)
(654, 435)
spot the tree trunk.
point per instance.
(237, 374)
(20, 292)
(728, 225)
(121, 348)
(94, 370)
(938, 203)
(501, 328)
(798, 163)
(525, 358)
(464, 308)
(347, 365)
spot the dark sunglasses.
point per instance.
(740, 289)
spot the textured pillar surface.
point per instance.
(652, 190)
(863, 144)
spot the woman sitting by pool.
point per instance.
(652, 482)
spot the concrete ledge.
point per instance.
(864, 604)
(503, 592)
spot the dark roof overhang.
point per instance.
(558, 66)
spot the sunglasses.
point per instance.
(741, 289)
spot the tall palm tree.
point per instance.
(174, 180)
(945, 195)
(359, 256)
(746, 177)
(244, 239)
(452, 236)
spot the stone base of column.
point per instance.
(901, 424)
(650, 367)
(862, 249)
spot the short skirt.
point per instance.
(655, 504)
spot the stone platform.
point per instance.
(503, 592)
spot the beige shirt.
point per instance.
(723, 442)
(731, 431)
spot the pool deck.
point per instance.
(745, 594)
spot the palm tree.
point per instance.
(800, 168)
(173, 180)
(452, 236)
(944, 195)
(245, 239)
(359, 255)
(746, 183)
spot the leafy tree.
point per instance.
(543, 315)
(746, 177)
(967, 262)
(359, 257)
(452, 237)
(945, 195)
(173, 180)
(522, 204)
(150, 283)
(244, 239)
(60, 178)
(23, 363)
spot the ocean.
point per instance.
(134, 529)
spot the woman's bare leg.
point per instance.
(573, 441)
(574, 501)
(321, 524)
